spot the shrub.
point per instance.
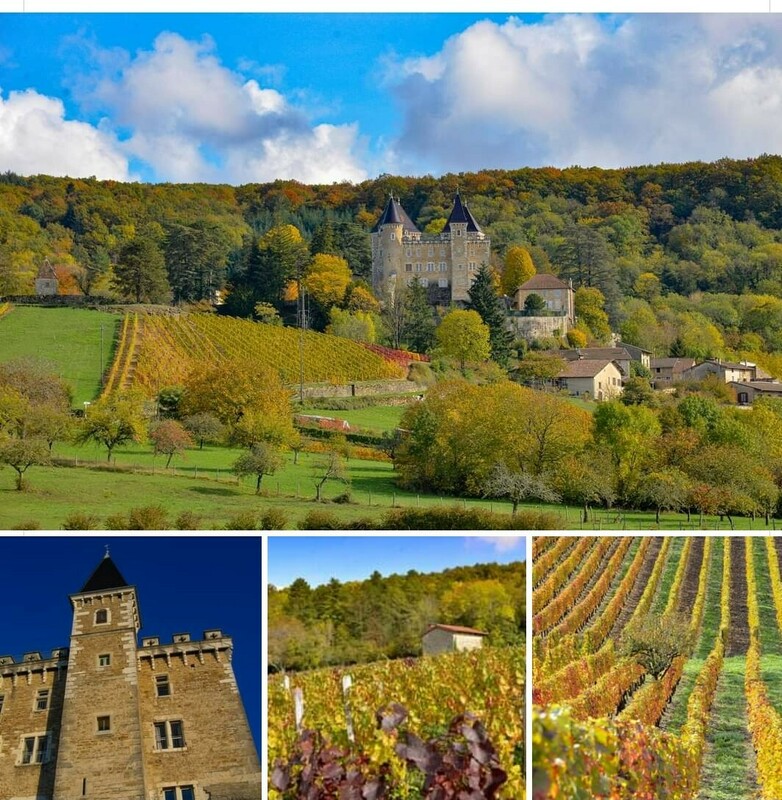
(421, 373)
(147, 518)
(188, 521)
(655, 640)
(243, 521)
(273, 519)
(117, 522)
(80, 521)
(27, 525)
(343, 498)
(319, 520)
(457, 518)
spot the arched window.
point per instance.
(101, 616)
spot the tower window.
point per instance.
(104, 724)
(169, 735)
(104, 660)
(162, 686)
(430, 266)
(178, 793)
(418, 267)
(101, 616)
(443, 266)
(35, 749)
(42, 700)
(2, 700)
(408, 267)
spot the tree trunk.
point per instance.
(168, 460)
(730, 520)
(201, 446)
(19, 480)
(108, 457)
(657, 517)
(258, 484)
(515, 507)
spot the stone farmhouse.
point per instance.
(560, 315)
(446, 263)
(595, 379)
(105, 719)
(46, 283)
(450, 638)
(618, 355)
(749, 391)
(667, 371)
(726, 371)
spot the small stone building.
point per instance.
(749, 391)
(667, 371)
(106, 719)
(597, 379)
(46, 283)
(451, 638)
(558, 296)
(726, 371)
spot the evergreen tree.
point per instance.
(419, 324)
(484, 300)
(323, 240)
(140, 272)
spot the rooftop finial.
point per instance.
(107, 552)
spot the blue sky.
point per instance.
(320, 98)
(184, 584)
(318, 559)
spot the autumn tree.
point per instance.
(331, 466)
(112, 421)
(327, 279)
(356, 325)
(463, 336)
(261, 459)
(22, 453)
(590, 310)
(170, 438)
(518, 269)
(140, 272)
(518, 486)
(204, 427)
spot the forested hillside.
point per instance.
(688, 257)
(342, 623)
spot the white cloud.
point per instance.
(36, 138)
(192, 119)
(503, 544)
(578, 89)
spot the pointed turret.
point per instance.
(394, 214)
(105, 576)
(461, 214)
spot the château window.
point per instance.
(424, 281)
(35, 749)
(418, 267)
(430, 266)
(104, 724)
(443, 266)
(169, 735)
(2, 700)
(408, 267)
(162, 686)
(104, 660)
(443, 283)
(178, 793)
(101, 616)
(42, 700)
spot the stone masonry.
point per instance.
(108, 720)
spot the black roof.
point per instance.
(394, 214)
(460, 213)
(105, 576)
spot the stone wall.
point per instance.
(531, 328)
(363, 389)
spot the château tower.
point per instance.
(108, 720)
(446, 263)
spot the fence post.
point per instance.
(347, 682)
(298, 707)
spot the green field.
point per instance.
(69, 338)
(375, 418)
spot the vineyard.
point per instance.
(155, 351)
(433, 691)
(708, 724)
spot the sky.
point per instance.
(348, 558)
(183, 584)
(240, 98)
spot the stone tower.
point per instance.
(445, 263)
(100, 755)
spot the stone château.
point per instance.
(446, 263)
(106, 719)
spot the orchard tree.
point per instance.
(331, 466)
(140, 272)
(21, 454)
(518, 486)
(112, 421)
(261, 459)
(170, 438)
(463, 337)
(204, 427)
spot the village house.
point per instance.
(558, 296)
(726, 371)
(637, 353)
(748, 392)
(619, 355)
(667, 371)
(597, 379)
(450, 638)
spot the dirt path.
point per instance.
(692, 574)
(738, 635)
(638, 587)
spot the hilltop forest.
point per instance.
(385, 617)
(687, 258)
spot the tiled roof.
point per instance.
(456, 629)
(46, 271)
(610, 353)
(771, 387)
(105, 576)
(673, 363)
(584, 368)
(394, 214)
(543, 281)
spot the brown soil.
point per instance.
(738, 635)
(638, 587)
(692, 574)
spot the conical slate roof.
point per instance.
(394, 214)
(105, 576)
(460, 213)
